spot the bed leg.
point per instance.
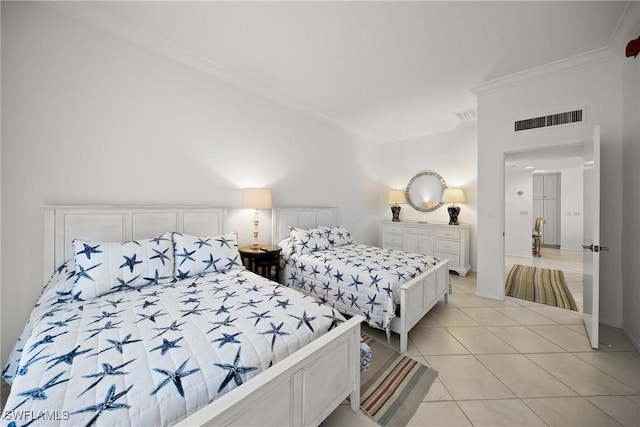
(404, 338)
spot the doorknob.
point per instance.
(595, 248)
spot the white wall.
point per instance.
(630, 206)
(91, 119)
(571, 189)
(598, 88)
(518, 213)
(450, 154)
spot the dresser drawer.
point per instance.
(388, 228)
(392, 240)
(447, 246)
(454, 260)
(448, 234)
(419, 231)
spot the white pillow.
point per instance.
(307, 241)
(196, 255)
(103, 267)
(337, 236)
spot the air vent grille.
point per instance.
(551, 120)
(467, 115)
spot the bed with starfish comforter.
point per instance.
(150, 355)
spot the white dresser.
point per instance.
(436, 239)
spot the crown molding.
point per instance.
(167, 48)
(569, 64)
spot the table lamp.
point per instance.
(256, 198)
(396, 197)
(453, 196)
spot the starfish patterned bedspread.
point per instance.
(356, 278)
(152, 355)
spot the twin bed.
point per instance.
(168, 328)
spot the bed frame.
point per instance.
(417, 296)
(301, 390)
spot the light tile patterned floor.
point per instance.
(515, 363)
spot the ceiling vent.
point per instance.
(551, 120)
(467, 115)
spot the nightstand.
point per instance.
(262, 259)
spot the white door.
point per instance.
(591, 233)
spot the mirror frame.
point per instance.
(415, 177)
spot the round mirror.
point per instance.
(424, 191)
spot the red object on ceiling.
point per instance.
(633, 48)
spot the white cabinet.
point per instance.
(546, 204)
(435, 239)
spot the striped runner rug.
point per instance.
(542, 285)
(394, 385)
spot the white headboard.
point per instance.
(62, 224)
(301, 217)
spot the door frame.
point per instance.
(501, 202)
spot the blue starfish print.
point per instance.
(105, 315)
(39, 393)
(107, 370)
(160, 255)
(227, 296)
(275, 293)
(115, 303)
(338, 276)
(166, 346)
(82, 273)
(335, 320)
(231, 262)
(372, 302)
(146, 304)
(339, 296)
(355, 281)
(211, 262)
(226, 322)
(155, 280)
(159, 239)
(353, 300)
(195, 310)
(117, 345)
(67, 358)
(175, 326)
(151, 317)
(250, 303)
(185, 255)
(107, 326)
(125, 286)
(130, 262)
(275, 330)
(284, 304)
(234, 371)
(48, 339)
(183, 274)
(227, 338)
(223, 309)
(175, 377)
(24, 369)
(109, 404)
(223, 241)
(202, 243)
(327, 270)
(88, 250)
(374, 281)
(60, 323)
(259, 316)
(388, 290)
(191, 300)
(304, 319)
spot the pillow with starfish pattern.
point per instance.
(307, 241)
(196, 255)
(337, 236)
(104, 267)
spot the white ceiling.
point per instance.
(389, 70)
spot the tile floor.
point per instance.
(516, 363)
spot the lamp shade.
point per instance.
(453, 195)
(397, 196)
(256, 198)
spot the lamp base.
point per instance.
(395, 212)
(454, 211)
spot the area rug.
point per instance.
(541, 285)
(394, 385)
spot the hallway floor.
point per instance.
(516, 363)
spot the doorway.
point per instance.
(560, 167)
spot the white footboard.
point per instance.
(417, 297)
(301, 390)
